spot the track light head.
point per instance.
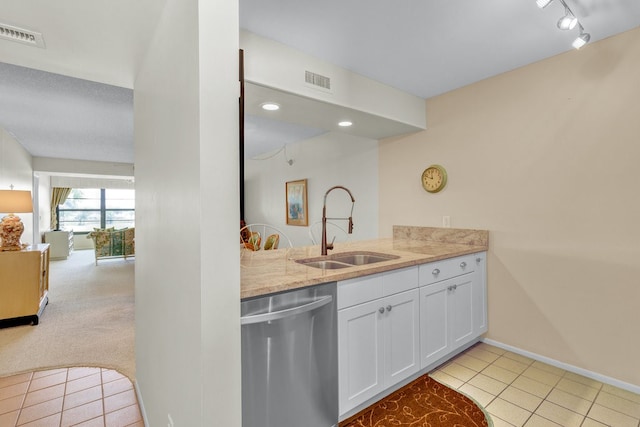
(543, 3)
(568, 21)
(581, 40)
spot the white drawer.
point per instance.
(400, 280)
(359, 290)
(446, 269)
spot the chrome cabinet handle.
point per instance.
(381, 310)
(452, 288)
(478, 259)
(436, 272)
(389, 307)
(463, 264)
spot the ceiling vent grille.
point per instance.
(317, 80)
(20, 35)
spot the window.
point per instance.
(89, 208)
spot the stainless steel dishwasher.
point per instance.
(290, 359)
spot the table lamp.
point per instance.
(11, 227)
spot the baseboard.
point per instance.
(567, 367)
(140, 403)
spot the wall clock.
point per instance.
(434, 178)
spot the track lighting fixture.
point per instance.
(543, 3)
(568, 22)
(582, 39)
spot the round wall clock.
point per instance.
(434, 178)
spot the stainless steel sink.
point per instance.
(324, 264)
(346, 259)
(362, 258)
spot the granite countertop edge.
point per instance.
(268, 272)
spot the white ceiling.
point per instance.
(424, 47)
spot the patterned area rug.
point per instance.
(422, 403)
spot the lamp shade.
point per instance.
(15, 201)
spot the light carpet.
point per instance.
(89, 320)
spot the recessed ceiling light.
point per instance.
(270, 106)
(345, 123)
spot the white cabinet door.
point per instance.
(360, 353)
(446, 317)
(401, 336)
(480, 325)
(461, 310)
(434, 322)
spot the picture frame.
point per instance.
(296, 203)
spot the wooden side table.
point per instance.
(24, 283)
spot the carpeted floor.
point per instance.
(423, 402)
(89, 320)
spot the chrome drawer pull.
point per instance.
(381, 310)
(389, 308)
(463, 265)
(436, 272)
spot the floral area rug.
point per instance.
(421, 403)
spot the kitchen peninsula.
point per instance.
(268, 272)
(390, 309)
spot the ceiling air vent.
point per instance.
(317, 81)
(20, 35)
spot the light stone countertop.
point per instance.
(266, 272)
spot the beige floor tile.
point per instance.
(471, 362)
(499, 422)
(577, 389)
(500, 374)
(41, 410)
(511, 365)
(588, 422)
(619, 404)
(480, 396)
(622, 393)
(50, 421)
(446, 379)
(488, 384)
(569, 401)
(538, 421)
(489, 347)
(11, 404)
(459, 372)
(610, 417)
(509, 412)
(9, 419)
(518, 357)
(583, 380)
(42, 395)
(559, 415)
(483, 355)
(521, 398)
(548, 368)
(13, 380)
(532, 386)
(541, 376)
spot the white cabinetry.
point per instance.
(452, 306)
(378, 334)
(61, 243)
(393, 325)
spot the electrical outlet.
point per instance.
(446, 221)
(169, 421)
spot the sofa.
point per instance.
(111, 243)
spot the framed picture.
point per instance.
(296, 198)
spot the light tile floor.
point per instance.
(87, 397)
(518, 391)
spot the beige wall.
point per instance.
(546, 157)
